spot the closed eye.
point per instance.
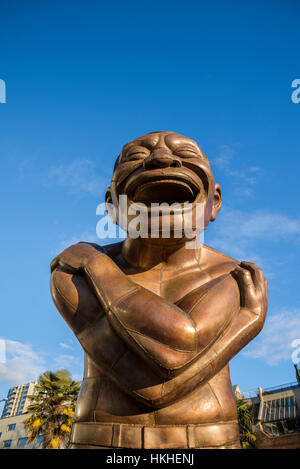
(186, 152)
(136, 153)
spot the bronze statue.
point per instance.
(158, 322)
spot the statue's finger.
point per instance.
(247, 288)
(256, 273)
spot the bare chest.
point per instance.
(172, 284)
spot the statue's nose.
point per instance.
(161, 158)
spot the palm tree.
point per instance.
(246, 423)
(52, 409)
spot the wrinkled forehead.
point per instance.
(171, 140)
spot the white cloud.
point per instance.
(65, 346)
(79, 176)
(70, 362)
(244, 178)
(226, 154)
(2, 351)
(257, 225)
(237, 231)
(274, 226)
(22, 363)
(86, 236)
(65, 361)
(274, 343)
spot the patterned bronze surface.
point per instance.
(158, 322)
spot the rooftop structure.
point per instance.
(17, 400)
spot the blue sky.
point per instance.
(85, 77)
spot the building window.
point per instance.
(11, 427)
(6, 443)
(279, 409)
(22, 442)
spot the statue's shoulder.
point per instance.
(216, 262)
(111, 250)
(68, 284)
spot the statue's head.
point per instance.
(164, 167)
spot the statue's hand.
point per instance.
(75, 257)
(253, 288)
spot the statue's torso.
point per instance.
(212, 403)
(103, 401)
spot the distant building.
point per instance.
(277, 411)
(17, 400)
(237, 392)
(13, 434)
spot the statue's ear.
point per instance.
(109, 205)
(217, 202)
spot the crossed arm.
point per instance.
(188, 342)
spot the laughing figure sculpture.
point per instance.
(158, 319)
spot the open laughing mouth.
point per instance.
(158, 186)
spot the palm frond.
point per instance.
(246, 423)
(52, 409)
